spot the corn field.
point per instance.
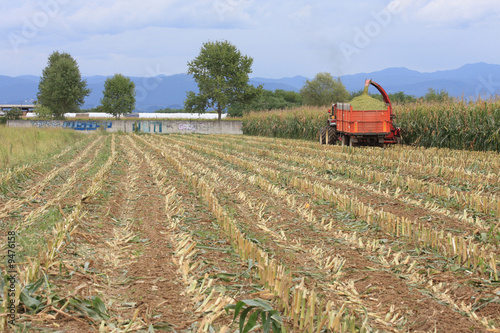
(299, 123)
(473, 126)
(455, 125)
(146, 233)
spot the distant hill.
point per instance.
(468, 81)
(287, 83)
(162, 91)
(21, 89)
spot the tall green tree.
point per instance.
(61, 88)
(323, 90)
(119, 95)
(221, 72)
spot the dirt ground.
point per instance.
(126, 245)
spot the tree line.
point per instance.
(221, 72)
(62, 90)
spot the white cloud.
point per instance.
(458, 12)
(303, 13)
(77, 20)
(118, 16)
(285, 37)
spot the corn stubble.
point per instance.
(289, 171)
(467, 253)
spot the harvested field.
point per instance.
(143, 233)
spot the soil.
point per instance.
(123, 250)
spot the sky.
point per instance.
(285, 38)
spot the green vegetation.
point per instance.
(43, 112)
(61, 88)
(323, 90)
(96, 109)
(12, 114)
(221, 72)
(401, 98)
(267, 100)
(255, 308)
(170, 110)
(119, 95)
(434, 120)
(29, 145)
(297, 123)
(457, 125)
(434, 96)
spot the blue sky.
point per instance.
(285, 38)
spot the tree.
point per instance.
(433, 96)
(119, 95)
(221, 72)
(13, 114)
(61, 87)
(267, 100)
(170, 110)
(401, 98)
(323, 90)
(97, 109)
(43, 112)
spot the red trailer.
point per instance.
(361, 127)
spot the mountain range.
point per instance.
(153, 93)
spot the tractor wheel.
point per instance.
(322, 136)
(332, 136)
(345, 140)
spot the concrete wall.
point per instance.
(146, 126)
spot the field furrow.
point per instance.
(391, 217)
(472, 194)
(282, 234)
(146, 233)
(470, 161)
(396, 191)
(29, 195)
(266, 266)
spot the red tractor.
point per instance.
(361, 127)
